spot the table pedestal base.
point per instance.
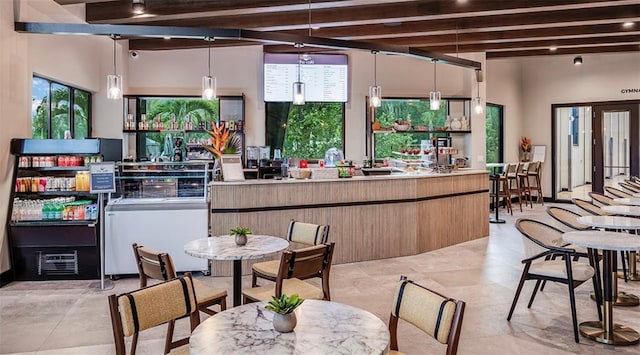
(622, 335)
(494, 220)
(623, 299)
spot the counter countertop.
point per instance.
(355, 178)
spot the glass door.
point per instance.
(572, 170)
(615, 144)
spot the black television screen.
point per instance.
(324, 76)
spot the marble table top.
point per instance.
(631, 201)
(623, 210)
(323, 328)
(224, 247)
(603, 240)
(612, 222)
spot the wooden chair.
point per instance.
(431, 312)
(629, 187)
(523, 182)
(537, 266)
(159, 266)
(134, 312)
(306, 234)
(589, 207)
(512, 179)
(566, 217)
(296, 265)
(502, 192)
(601, 199)
(535, 172)
(616, 192)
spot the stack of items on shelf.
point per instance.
(59, 208)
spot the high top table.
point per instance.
(323, 327)
(224, 248)
(607, 331)
(618, 223)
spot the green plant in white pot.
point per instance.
(240, 234)
(284, 319)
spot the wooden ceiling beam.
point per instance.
(563, 51)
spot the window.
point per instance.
(52, 114)
(306, 131)
(494, 142)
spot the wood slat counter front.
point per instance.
(371, 217)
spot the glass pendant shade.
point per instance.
(298, 93)
(477, 105)
(209, 87)
(434, 100)
(114, 87)
(375, 96)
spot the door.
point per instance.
(616, 151)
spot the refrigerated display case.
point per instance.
(53, 224)
(158, 205)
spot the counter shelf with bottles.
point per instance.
(53, 218)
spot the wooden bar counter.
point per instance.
(372, 217)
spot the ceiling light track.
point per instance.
(237, 34)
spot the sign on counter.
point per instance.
(102, 177)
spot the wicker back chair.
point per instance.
(589, 207)
(601, 199)
(616, 192)
(566, 217)
(629, 187)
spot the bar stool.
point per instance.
(512, 177)
(535, 173)
(503, 191)
(523, 182)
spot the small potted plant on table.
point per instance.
(284, 320)
(240, 234)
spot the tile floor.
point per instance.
(68, 317)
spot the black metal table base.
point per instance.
(237, 283)
(496, 200)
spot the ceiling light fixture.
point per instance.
(628, 24)
(477, 102)
(553, 49)
(434, 96)
(298, 86)
(209, 82)
(577, 60)
(375, 92)
(114, 81)
(138, 7)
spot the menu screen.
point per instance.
(324, 76)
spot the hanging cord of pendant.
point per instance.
(309, 18)
(209, 61)
(435, 82)
(375, 68)
(457, 52)
(114, 37)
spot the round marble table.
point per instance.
(629, 201)
(622, 210)
(618, 222)
(323, 327)
(224, 248)
(607, 331)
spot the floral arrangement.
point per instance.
(223, 141)
(525, 144)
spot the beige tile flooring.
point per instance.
(68, 317)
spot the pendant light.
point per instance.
(138, 7)
(208, 81)
(114, 81)
(375, 92)
(298, 86)
(434, 96)
(477, 102)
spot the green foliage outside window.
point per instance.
(493, 130)
(62, 118)
(418, 112)
(312, 129)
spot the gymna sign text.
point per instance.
(630, 91)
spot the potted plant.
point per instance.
(240, 234)
(525, 145)
(284, 320)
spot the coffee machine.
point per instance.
(178, 149)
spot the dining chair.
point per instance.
(437, 315)
(566, 217)
(629, 187)
(537, 266)
(295, 266)
(146, 308)
(159, 266)
(305, 234)
(601, 198)
(616, 192)
(589, 207)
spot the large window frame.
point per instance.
(73, 91)
(500, 121)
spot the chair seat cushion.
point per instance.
(205, 293)
(289, 287)
(557, 268)
(268, 268)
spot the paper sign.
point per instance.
(231, 166)
(102, 177)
